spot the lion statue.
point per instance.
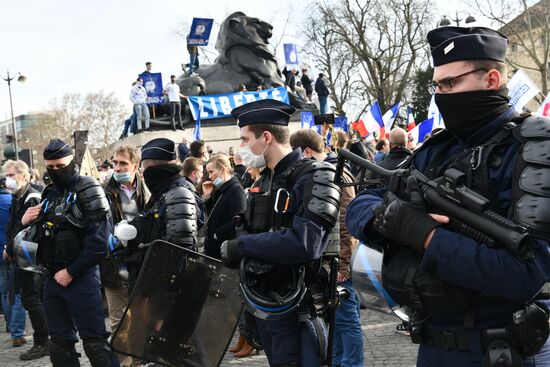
(244, 58)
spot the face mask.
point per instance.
(11, 183)
(218, 182)
(122, 177)
(159, 178)
(62, 177)
(250, 159)
(465, 113)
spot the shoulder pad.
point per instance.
(92, 199)
(181, 216)
(322, 195)
(535, 127)
(532, 210)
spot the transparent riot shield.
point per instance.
(366, 273)
(183, 310)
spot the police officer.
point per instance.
(289, 225)
(172, 212)
(73, 223)
(470, 303)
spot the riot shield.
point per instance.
(183, 310)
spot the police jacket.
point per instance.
(74, 226)
(493, 282)
(305, 240)
(229, 200)
(19, 205)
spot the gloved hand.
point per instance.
(405, 221)
(230, 256)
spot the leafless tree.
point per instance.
(329, 53)
(386, 37)
(528, 27)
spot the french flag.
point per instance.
(420, 131)
(544, 109)
(410, 119)
(388, 119)
(372, 122)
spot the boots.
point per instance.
(237, 347)
(245, 351)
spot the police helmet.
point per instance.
(26, 250)
(271, 291)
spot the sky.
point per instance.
(64, 46)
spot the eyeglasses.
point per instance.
(447, 84)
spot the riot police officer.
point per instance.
(289, 215)
(172, 211)
(73, 222)
(470, 302)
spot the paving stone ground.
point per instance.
(383, 346)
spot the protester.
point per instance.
(224, 198)
(382, 149)
(14, 313)
(172, 90)
(193, 51)
(127, 196)
(183, 149)
(138, 96)
(28, 284)
(322, 92)
(307, 84)
(239, 168)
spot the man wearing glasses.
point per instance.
(470, 303)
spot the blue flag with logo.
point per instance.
(341, 122)
(214, 106)
(197, 135)
(152, 82)
(200, 31)
(307, 120)
(291, 54)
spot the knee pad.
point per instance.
(63, 353)
(99, 353)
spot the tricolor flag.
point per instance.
(433, 113)
(372, 122)
(420, 131)
(389, 118)
(544, 109)
(341, 123)
(410, 119)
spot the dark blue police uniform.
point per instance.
(299, 238)
(486, 285)
(73, 228)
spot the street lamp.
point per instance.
(21, 79)
(444, 22)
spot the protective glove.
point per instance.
(405, 221)
(230, 253)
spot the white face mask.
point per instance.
(250, 159)
(11, 183)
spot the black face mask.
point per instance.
(159, 178)
(465, 113)
(62, 177)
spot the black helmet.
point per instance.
(270, 291)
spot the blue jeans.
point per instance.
(348, 337)
(130, 125)
(193, 63)
(323, 104)
(142, 115)
(15, 314)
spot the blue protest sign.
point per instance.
(307, 120)
(220, 105)
(200, 31)
(291, 54)
(341, 122)
(152, 82)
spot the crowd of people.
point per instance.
(273, 209)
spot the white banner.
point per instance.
(521, 90)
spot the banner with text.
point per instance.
(152, 82)
(200, 31)
(220, 105)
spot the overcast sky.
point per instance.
(65, 46)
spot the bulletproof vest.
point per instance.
(267, 206)
(62, 231)
(402, 277)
